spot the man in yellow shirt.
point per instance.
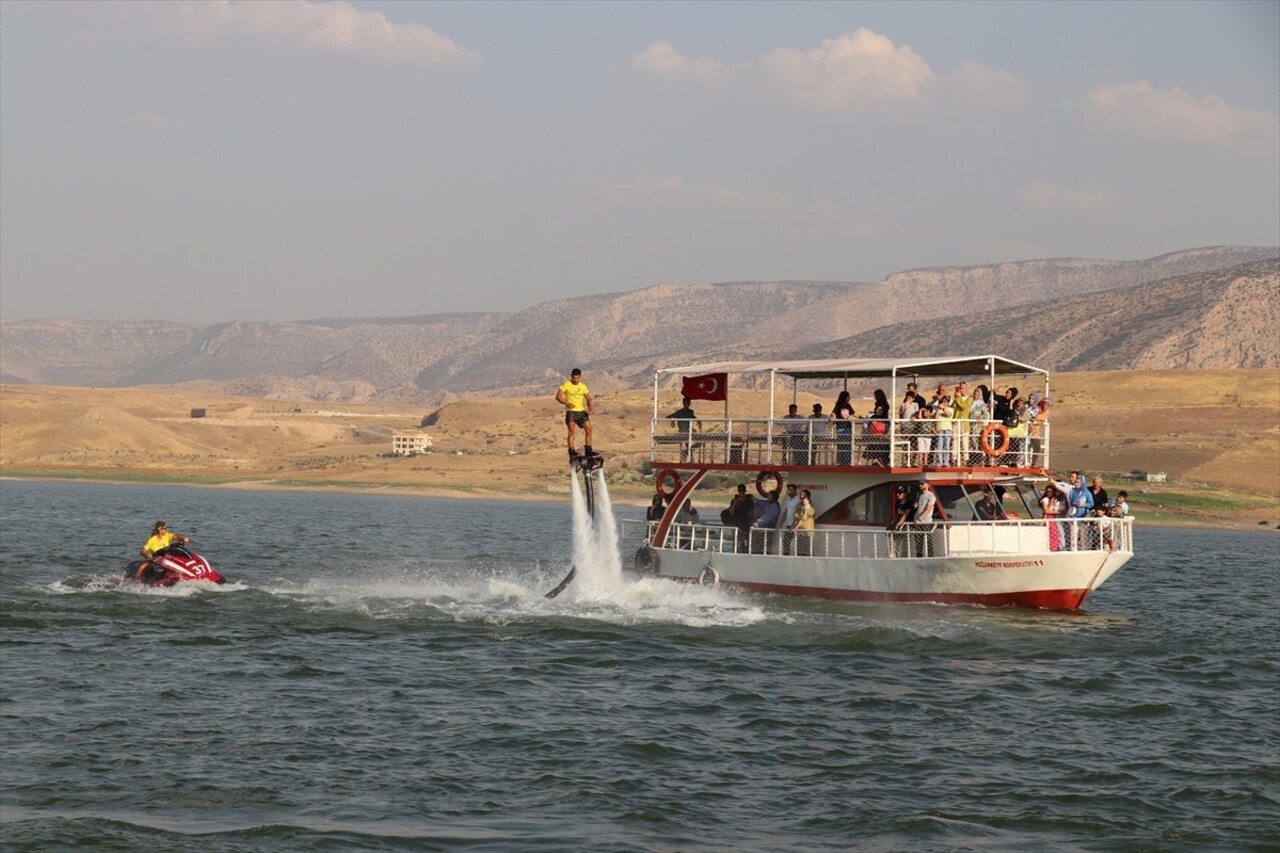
(578, 409)
(161, 538)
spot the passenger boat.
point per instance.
(852, 470)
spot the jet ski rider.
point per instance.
(161, 538)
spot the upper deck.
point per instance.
(887, 441)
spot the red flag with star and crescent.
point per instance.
(709, 386)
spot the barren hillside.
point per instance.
(1215, 430)
(1217, 320)
(620, 338)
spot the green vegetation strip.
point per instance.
(109, 477)
(1195, 501)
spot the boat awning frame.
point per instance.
(867, 368)
(855, 368)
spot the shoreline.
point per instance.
(1170, 519)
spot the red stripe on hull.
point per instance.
(1040, 599)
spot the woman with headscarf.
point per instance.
(877, 451)
(1053, 505)
(842, 414)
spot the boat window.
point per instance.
(1019, 500)
(870, 506)
(955, 503)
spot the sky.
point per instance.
(207, 162)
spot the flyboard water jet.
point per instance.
(585, 464)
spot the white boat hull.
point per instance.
(1056, 580)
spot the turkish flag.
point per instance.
(709, 386)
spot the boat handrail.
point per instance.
(1022, 539)
(807, 442)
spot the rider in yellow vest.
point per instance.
(161, 538)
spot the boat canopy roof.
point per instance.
(868, 368)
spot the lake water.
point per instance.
(384, 673)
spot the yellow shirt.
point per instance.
(158, 542)
(575, 396)
(804, 517)
(961, 405)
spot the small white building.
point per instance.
(410, 443)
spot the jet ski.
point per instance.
(173, 565)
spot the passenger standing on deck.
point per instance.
(843, 415)
(803, 525)
(795, 433)
(578, 409)
(979, 414)
(961, 403)
(740, 514)
(1079, 505)
(767, 512)
(926, 503)
(1099, 495)
(1053, 506)
(788, 521)
(685, 421)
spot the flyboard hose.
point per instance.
(590, 493)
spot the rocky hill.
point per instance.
(1096, 314)
(1214, 320)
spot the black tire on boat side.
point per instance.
(645, 561)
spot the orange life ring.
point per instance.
(662, 478)
(985, 439)
(766, 475)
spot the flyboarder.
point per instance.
(577, 402)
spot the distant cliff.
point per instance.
(1211, 307)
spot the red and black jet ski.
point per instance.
(173, 565)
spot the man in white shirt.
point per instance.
(788, 518)
(926, 503)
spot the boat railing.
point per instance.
(806, 442)
(1013, 538)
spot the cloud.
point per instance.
(856, 69)
(1141, 108)
(851, 72)
(1092, 198)
(660, 60)
(325, 27)
(977, 85)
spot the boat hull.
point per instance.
(1055, 581)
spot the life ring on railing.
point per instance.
(662, 478)
(985, 439)
(767, 475)
(710, 576)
